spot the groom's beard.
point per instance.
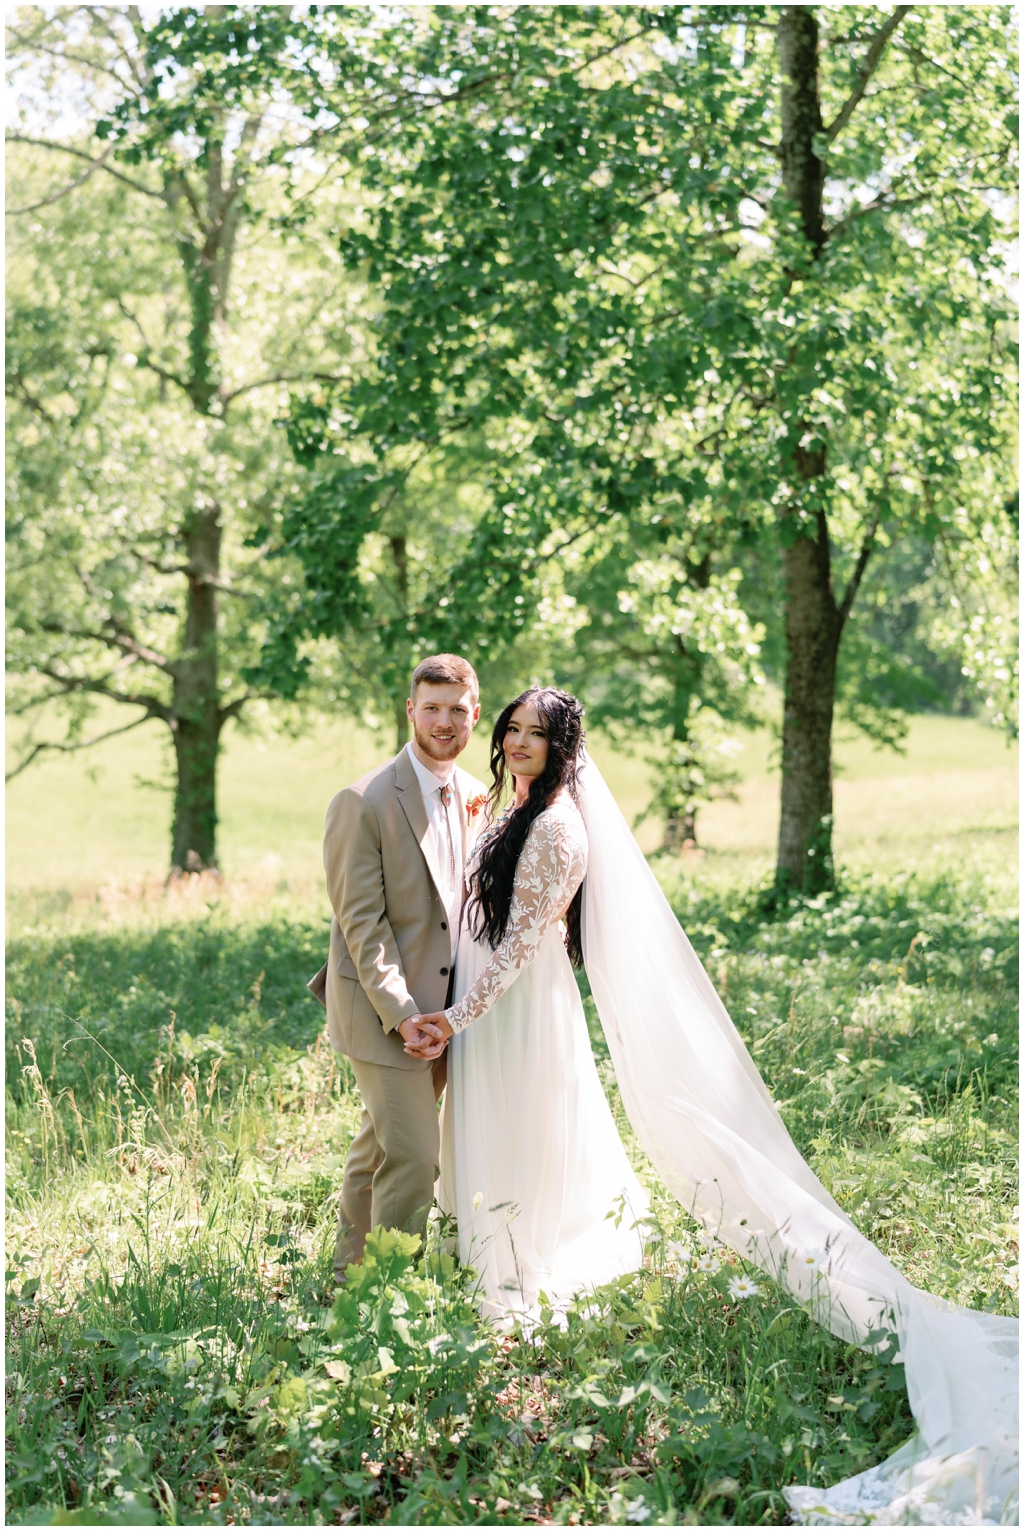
(437, 749)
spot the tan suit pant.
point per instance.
(393, 1161)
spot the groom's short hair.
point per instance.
(445, 670)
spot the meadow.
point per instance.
(177, 1127)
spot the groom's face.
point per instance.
(443, 717)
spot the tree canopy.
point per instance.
(160, 307)
(707, 275)
(670, 340)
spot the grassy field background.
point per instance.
(177, 1127)
(82, 822)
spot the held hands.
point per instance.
(426, 1036)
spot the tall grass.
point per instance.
(177, 1128)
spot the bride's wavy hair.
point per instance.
(491, 894)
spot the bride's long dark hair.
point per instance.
(490, 901)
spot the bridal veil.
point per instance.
(710, 1128)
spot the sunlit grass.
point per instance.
(176, 1133)
(954, 789)
(177, 1128)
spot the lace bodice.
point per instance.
(551, 867)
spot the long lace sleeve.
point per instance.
(550, 869)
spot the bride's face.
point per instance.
(525, 743)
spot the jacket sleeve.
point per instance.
(355, 884)
(550, 869)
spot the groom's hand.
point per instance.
(422, 1040)
(426, 1036)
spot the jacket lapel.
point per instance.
(415, 810)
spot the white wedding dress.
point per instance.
(527, 1131)
(531, 1161)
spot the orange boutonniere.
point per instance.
(474, 805)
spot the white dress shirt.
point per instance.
(445, 829)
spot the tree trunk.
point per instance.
(803, 173)
(812, 647)
(400, 556)
(813, 622)
(680, 831)
(196, 719)
(205, 251)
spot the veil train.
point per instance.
(705, 1119)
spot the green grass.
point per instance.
(177, 1128)
(80, 826)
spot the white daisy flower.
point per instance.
(741, 1287)
(707, 1263)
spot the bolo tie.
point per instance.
(446, 797)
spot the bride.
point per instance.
(531, 1161)
(532, 1164)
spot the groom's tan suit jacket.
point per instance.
(391, 946)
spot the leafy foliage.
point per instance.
(587, 259)
(597, 342)
(159, 311)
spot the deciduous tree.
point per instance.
(734, 271)
(160, 307)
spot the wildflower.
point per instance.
(633, 1511)
(707, 1241)
(811, 1259)
(742, 1286)
(477, 1199)
(679, 1250)
(707, 1263)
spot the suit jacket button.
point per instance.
(444, 972)
(443, 925)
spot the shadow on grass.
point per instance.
(237, 992)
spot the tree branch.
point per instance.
(16, 212)
(19, 709)
(143, 360)
(97, 164)
(243, 154)
(858, 572)
(234, 708)
(18, 389)
(70, 684)
(118, 639)
(181, 180)
(65, 57)
(282, 377)
(194, 574)
(136, 62)
(133, 319)
(866, 70)
(881, 205)
(919, 57)
(69, 749)
(129, 645)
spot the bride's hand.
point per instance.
(433, 1049)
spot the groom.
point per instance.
(394, 851)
